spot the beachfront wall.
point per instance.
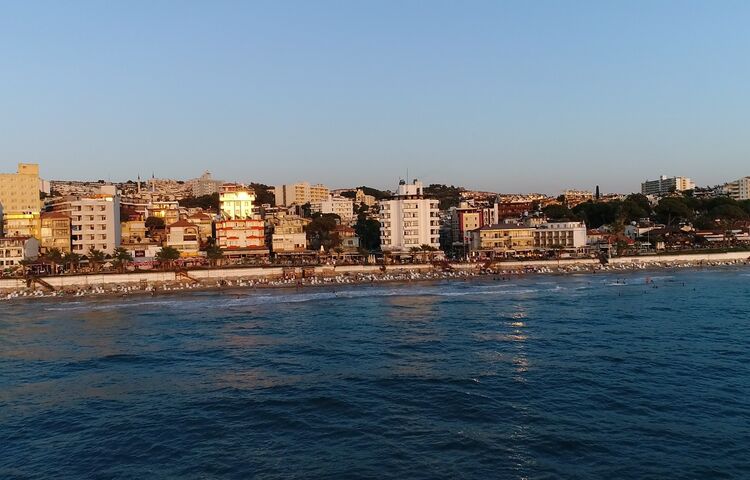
(82, 281)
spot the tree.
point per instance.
(671, 210)
(214, 254)
(55, 257)
(321, 231)
(206, 202)
(96, 258)
(167, 255)
(121, 258)
(154, 223)
(559, 212)
(72, 260)
(448, 196)
(263, 194)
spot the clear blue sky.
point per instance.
(497, 95)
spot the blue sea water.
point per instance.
(591, 376)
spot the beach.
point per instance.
(152, 283)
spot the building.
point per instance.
(348, 237)
(501, 240)
(568, 236)
(205, 185)
(236, 201)
(409, 219)
(22, 224)
(133, 231)
(300, 193)
(361, 197)
(337, 205)
(665, 185)
(168, 210)
(287, 233)
(55, 232)
(465, 218)
(205, 224)
(94, 219)
(240, 232)
(575, 197)
(14, 250)
(19, 192)
(739, 189)
(185, 237)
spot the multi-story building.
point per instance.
(287, 233)
(739, 189)
(361, 197)
(409, 219)
(300, 193)
(205, 185)
(236, 201)
(502, 239)
(133, 231)
(22, 224)
(185, 237)
(665, 185)
(205, 224)
(348, 237)
(240, 232)
(55, 232)
(20, 202)
(168, 210)
(341, 206)
(19, 192)
(14, 250)
(568, 236)
(465, 218)
(94, 219)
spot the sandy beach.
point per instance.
(155, 283)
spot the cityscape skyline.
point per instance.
(486, 97)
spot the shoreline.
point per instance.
(329, 278)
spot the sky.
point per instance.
(507, 96)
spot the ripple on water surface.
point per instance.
(538, 377)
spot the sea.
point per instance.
(642, 375)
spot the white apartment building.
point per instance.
(409, 219)
(236, 201)
(14, 250)
(300, 194)
(739, 189)
(665, 185)
(94, 220)
(565, 235)
(341, 206)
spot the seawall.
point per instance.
(258, 273)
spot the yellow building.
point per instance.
(22, 224)
(19, 192)
(502, 240)
(184, 236)
(55, 232)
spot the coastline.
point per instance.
(259, 278)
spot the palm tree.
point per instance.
(96, 257)
(414, 252)
(55, 257)
(167, 255)
(121, 258)
(71, 259)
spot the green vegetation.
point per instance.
(378, 194)
(154, 223)
(448, 196)
(206, 202)
(320, 232)
(718, 212)
(167, 255)
(368, 229)
(262, 194)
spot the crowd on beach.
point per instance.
(291, 282)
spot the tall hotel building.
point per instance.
(409, 219)
(240, 232)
